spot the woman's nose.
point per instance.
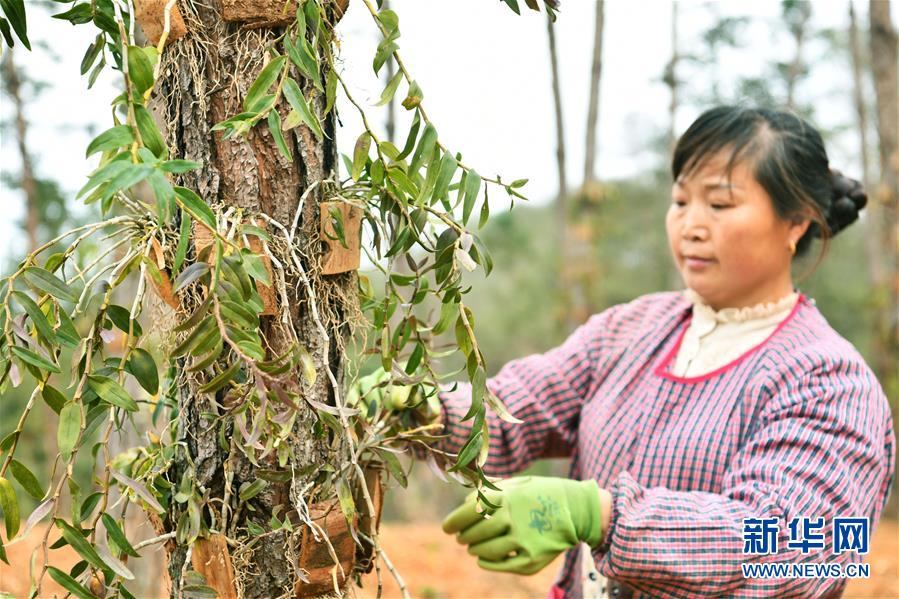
(695, 227)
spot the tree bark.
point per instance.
(884, 69)
(562, 194)
(593, 106)
(203, 81)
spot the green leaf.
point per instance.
(165, 195)
(28, 356)
(183, 242)
(472, 187)
(478, 388)
(14, 10)
(360, 154)
(385, 50)
(410, 139)
(117, 536)
(78, 15)
(248, 490)
(65, 330)
(44, 281)
(140, 490)
(81, 545)
(140, 69)
(69, 583)
(110, 139)
(69, 428)
(345, 497)
(189, 275)
(485, 212)
(266, 78)
(195, 205)
(390, 90)
(179, 166)
(28, 480)
(92, 52)
(222, 378)
(121, 318)
(448, 166)
(274, 126)
(111, 392)
(10, 506)
(254, 266)
(425, 148)
(149, 132)
(53, 398)
(142, 366)
(330, 90)
(298, 102)
(37, 317)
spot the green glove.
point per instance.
(538, 517)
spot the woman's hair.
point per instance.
(786, 156)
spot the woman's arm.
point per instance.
(824, 448)
(545, 391)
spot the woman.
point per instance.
(685, 413)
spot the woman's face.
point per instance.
(726, 239)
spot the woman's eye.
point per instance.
(717, 206)
(678, 202)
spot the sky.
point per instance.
(486, 81)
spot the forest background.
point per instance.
(592, 233)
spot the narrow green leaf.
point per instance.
(472, 187)
(183, 242)
(44, 281)
(360, 154)
(37, 317)
(179, 166)
(195, 205)
(266, 78)
(28, 480)
(142, 366)
(140, 68)
(424, 149)
(69, 428)
(28, 356)
(222, 378)
(14, 10)
(111, 392)
(149, 132)
(10, 506)
(81, 545)
(69, 583)
(117, 536)
(189, 275)
(248, 490)
(298, 102)
(254, 266)
(110, 139)
(448, 166)
(411, 138)
(274, 127)
(53, 398)
(390, 90)
(139, 489)
(121, 318)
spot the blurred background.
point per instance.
(526, 100)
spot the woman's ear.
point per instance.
(798, 227)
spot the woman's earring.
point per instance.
(792, 248)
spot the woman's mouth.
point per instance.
(697, 263)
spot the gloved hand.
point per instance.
(372, 392)
(538, 517)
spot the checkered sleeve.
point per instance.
(545, 391)
(822, 446)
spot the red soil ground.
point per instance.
(434, 566)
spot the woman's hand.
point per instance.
(537, 518)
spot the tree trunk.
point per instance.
(29, 186)
(875, 258)
(204, 79)
(884, 69)
(797, 16)
(675, 281)
(562, 194)
(593, 106)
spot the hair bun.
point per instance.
(848, 197)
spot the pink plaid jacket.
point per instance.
(796, 427)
